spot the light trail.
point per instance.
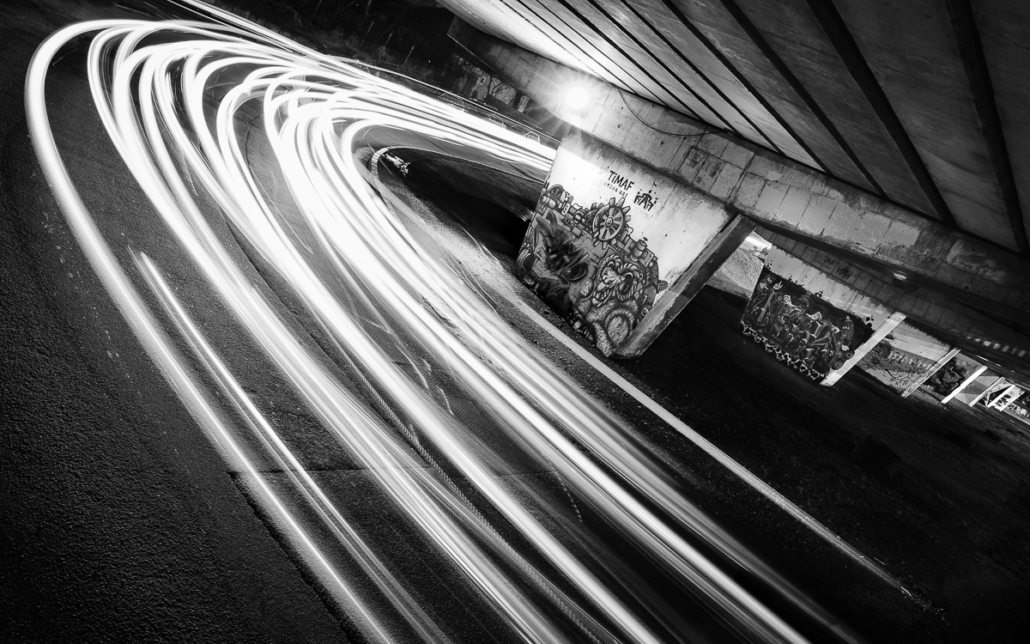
(175, 98)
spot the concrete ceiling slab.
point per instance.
(743, 48)
(919, 102)
(594, 28)
(911, 48)
(795, 34)
(664, 65)
(687, 46)
(1004, 26)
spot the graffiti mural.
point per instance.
(951, 375)
(904, 357)
(800, 328)
(586, 264)
(893, 365)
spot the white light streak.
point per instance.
(160, 90)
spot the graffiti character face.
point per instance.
(615, 278)
(553, 253)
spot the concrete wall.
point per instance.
(609, 236)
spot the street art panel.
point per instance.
(1020, 407)
(951, 375)
(903, 357)
(975, 389)
(800, 328)
(587, 252)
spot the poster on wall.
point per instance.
(587, 264)
(903, 357)
(951, 375)
(800, 328)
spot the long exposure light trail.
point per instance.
(215, 114)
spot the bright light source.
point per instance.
(576, 98)
(900, 276)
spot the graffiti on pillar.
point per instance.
(586, 264)
(618, 183)
(800, 328)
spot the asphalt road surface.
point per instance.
(268, 381)
(419, 465)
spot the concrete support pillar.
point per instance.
(965, 383)
(687, 286)
(879, 334)
(937, 366)
(618, 248)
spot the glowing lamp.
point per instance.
(576, 98)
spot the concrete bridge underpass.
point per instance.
(881, 150)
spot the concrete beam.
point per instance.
(928, 62)
(772, 190)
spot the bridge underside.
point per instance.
(918, 103)
(965, 289)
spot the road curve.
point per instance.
(219, 114)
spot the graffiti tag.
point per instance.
(619, 182)
(645, 200)
(800, 328)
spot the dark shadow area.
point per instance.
(493, 206)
